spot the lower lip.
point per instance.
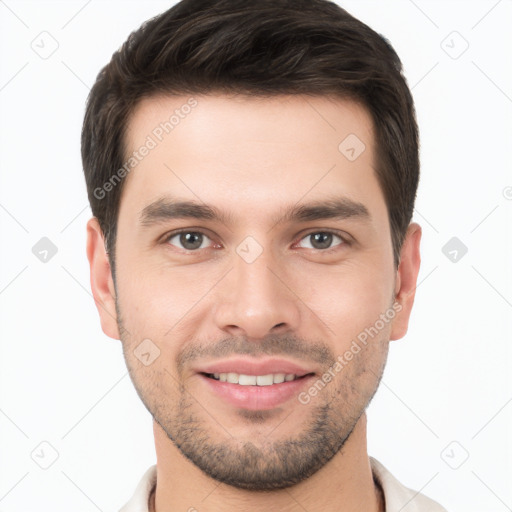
(257, 398)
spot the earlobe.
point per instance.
(406, 280)
(102, 284)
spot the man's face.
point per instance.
(273, 285)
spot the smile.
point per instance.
(253, 380)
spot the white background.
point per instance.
(64, 382)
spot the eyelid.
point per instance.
(165, 238)
(341, 234)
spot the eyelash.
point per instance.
(343, 238)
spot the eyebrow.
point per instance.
(339, 208)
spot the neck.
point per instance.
(344, 484)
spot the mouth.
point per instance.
(255, 384)
(255, 380)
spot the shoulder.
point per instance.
(401, 498)
(139, 502)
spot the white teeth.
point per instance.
(247, 380)
(254, 380)
(232, 378)
(263, 380)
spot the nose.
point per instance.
(255, 300)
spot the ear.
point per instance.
(102, 284)
(406, 278)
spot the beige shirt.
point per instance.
(397, 497)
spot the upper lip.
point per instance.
(254, 367)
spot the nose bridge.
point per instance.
(254, 301)
(253, 279)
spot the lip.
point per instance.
(255, 367)
(256, 398)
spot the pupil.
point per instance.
(321, 240)
(191, 240)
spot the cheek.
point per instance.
(139, 297)
(159, 300)
(347, 298)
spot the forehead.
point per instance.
(241, 152)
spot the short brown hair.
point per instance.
(258, 48)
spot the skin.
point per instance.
(253, 159)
